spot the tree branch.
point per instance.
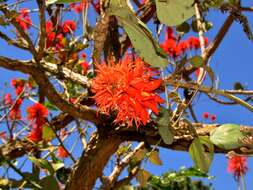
(35, 70)
(42, 35)
(8, 14)
(110, 182)
(13, 42)
(93, 160)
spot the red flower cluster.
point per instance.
(24, 20)
(18, 84)
(35, 134)
(84, 65)
(127, 88)
(206, 115)
(56, 34)
(15, 113)
(7, 99)
(77, 7)
(175, 48)
(68, 27)
(238, 166)
(96, 6)
(62, 153)
(36, 113)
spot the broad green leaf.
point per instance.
(140, 36)
(196, 61)
(183, 28)
(194, 172)
(49, 2)
(62, 174)
(49, 183)
(227, 136)
(127, 187)
(201, 151)
(154, 158)
(238, 86)
(57, 166)
(142, 177)
(47, 133)
(163, 127)
(174, 12)
(140, 154)
(42, 163)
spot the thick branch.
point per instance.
(35, 70)
(93, 160)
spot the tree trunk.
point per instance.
(92, 162)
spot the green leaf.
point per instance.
(142, 177)
(49, 183)
(139, 35)
(154, 158)
(42, 163)
(196, 61)
(50, 106)
(201, 151)
(205, 26)
(174, 12)
(57, 166)
(183, 28)
(63, 174)
(127, 187)
(238, 86)
(194, 172)
(140, 154)
(215, 3)
(47, 133)
(163, 127)
(49, 2)
(227, 136)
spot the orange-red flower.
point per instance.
(68, 26)
(15, 113)
(238, 166)
(35, 134)
(19, 85)
(7, 99)
(24, 20)
(37, 113)
(127, 88)
(62, 153)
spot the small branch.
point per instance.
(120, 167)
(210, 50)
(209, 90)
(219, 37)
(21, 174)
(13, 42)
(126, 180)
(63, 146)
(13, 183)
(250, 9)
(8, 14)
(42, 34)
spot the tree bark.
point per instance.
(92, 162)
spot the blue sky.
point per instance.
(232, 63)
